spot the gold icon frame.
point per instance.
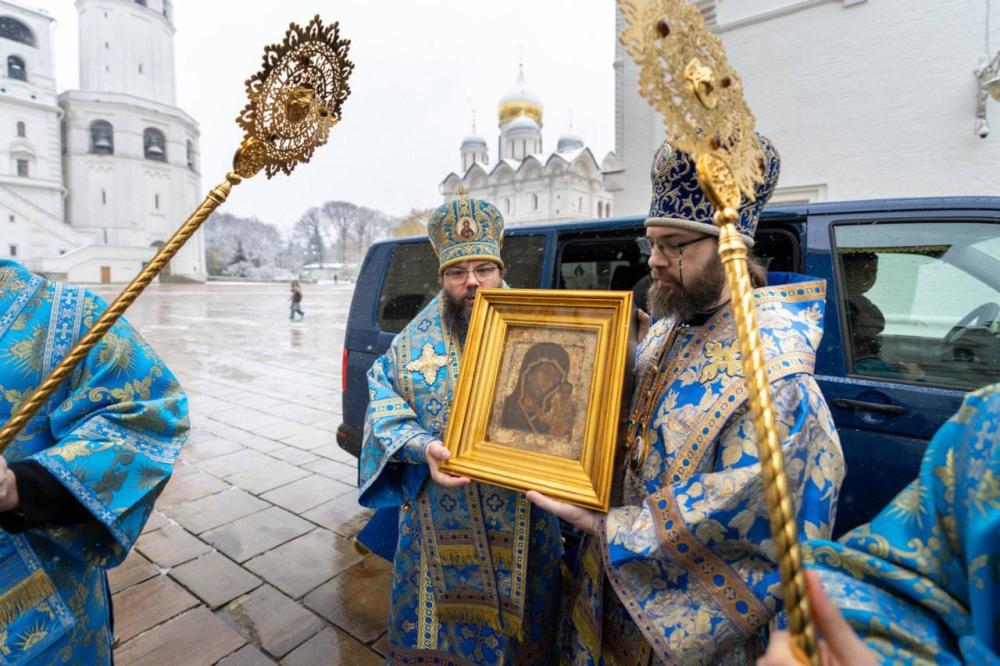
(585, 481)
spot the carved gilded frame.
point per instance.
(585, 481)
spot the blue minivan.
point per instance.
(912, 316)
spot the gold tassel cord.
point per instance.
(294, 100)
(24, 596)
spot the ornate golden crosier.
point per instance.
(294, 100)
(684, 74)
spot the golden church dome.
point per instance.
(520, 101)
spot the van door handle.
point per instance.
(865, 406)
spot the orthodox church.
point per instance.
(93, 181)
(526, 183)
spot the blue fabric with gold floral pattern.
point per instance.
(466, 229)
(688, 554)
(921, 582)
(110, 435)
(679, 201)
(476, 569)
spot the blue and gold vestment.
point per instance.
(921, 582)
(109, 435)
(689, 557)
(476, 569)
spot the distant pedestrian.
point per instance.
(296, 301)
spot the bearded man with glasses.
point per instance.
(476, 569)
(685, 571)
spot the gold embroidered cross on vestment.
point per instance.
(428, 364)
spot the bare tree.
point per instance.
(312, 231)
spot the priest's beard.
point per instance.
(688, 297)
(456, 313)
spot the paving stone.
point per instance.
(187, 488)
(332, 646)
(262, 444)
(207, 449)
(147, 604)
(212, 511)
(248, 655)
(272, 620)
(196, 638)
(357, 600)
(133, 570)
(292, 455)
(310, 439)
(300, 565)
(254, 534)
(334, 470)
(282, 429)
(306, 493)
(155, 521)
(267, 476)
(334, 452)
(216, 579)
(297, 413)
(170, 546)
(342, 515)
(382, 645)
(234, 463)
(260, 401)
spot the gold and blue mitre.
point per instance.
(466, 229)
(678, 200)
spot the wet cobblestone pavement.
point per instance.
(249, 558)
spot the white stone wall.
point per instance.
(864, 99)
(125, 199)
(127, 48)
(39, 196)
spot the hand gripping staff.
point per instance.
(294, 100)
(684, 74)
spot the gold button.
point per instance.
(406, 507)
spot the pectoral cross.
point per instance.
(428, 364)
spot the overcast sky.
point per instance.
(420, 69)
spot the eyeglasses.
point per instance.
(461, 274)
(674, 250)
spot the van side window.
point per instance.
(411, 280)
(921, 300)
(605, 263)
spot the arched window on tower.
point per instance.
(16, 68)
(102, 138)
(154, 144)
(166, 9)
(11, 28)
(141, 2)
(21, 132)
(534, 202)
(600, 209)
(506, 206)
(190, 154)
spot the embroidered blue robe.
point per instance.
(689, 556)
(476, 569)
(110, 435)
(921, 582)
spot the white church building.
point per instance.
(864, 99)
(95, 179)
(527, 183)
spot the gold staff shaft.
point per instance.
(215, 197)
(784, 531)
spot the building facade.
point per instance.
(526, 183)
(120, 161)
(863, 98)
